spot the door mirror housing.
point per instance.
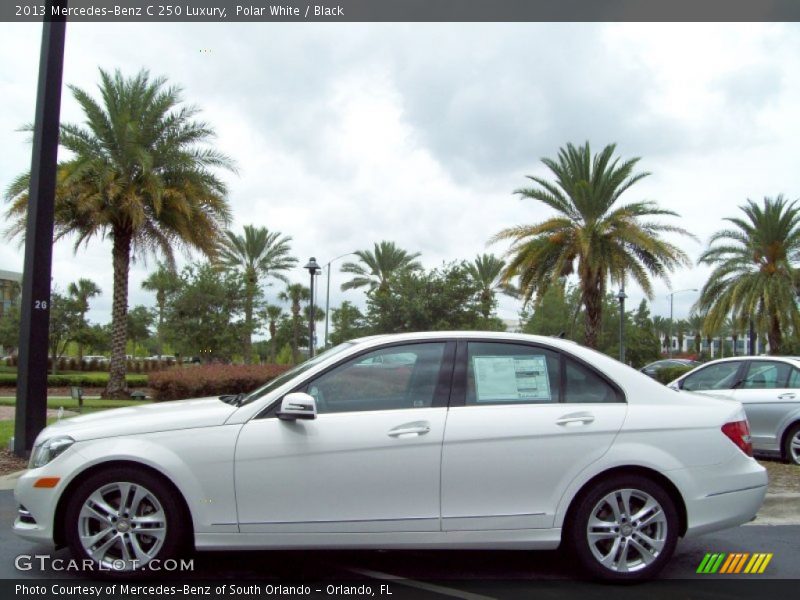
(297, 405)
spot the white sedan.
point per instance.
(469, 440)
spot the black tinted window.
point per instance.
(582, 385)
(389, 378)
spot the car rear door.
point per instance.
(524, 421)
(769, 391)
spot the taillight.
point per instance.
(739, 434)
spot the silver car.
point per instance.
(769, 389)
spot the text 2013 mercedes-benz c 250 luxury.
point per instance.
(425, 440)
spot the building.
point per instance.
(10, 287)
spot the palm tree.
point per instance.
(695, 324)
(681, 327)
(378, 265)
(295, 294)
(606, 239)
(661, 327)
(486, 270)
(81, 291)
(164, 282)
(257, 254)
(139, 176)
(753, 269)
(272, 314)
(734, 327)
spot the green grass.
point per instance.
(7, 431)
(87, 379)
(89, 404)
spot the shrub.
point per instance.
(210, 380)
(666, 375)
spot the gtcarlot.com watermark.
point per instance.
(45, 562)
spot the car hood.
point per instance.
(150, 418)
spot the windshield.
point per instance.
(274, 384)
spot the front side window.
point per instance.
(511, 374)
(386, 379)
(721, 376)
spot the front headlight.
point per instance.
(48, 450)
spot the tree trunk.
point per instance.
(80, 344)
(593, 301)
(273, 328)
(121, 253)
(774, 335)
(247, 348)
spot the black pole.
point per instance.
(311, 320)
(31, 409)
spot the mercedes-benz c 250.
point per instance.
(425, 440)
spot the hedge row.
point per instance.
(210, 380)
(97, 380)
(71, 364)
(670, 373)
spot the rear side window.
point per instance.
(583, 385)
(721, 376)
(766, 375)
(511, 374)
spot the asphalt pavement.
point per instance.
(439, 567)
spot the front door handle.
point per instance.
(786, 396)
(575, 419)
(415, 428)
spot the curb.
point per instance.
(8, 482)
(779, 509)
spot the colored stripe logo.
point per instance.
(733, 563)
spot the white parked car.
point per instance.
(480, 440)
(768, 388)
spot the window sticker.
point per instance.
(511, 378)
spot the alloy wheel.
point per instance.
(627, 530)
(122, 525)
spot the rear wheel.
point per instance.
(791, 445)
(123, 520)
(625, 529)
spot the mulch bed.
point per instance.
(10, 462)
(65, 391)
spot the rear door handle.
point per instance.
(416, 428)
(786, 396)
(575, 419)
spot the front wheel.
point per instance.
(625, 529)
(124, 520)
(791, 446)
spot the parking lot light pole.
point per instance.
(671, 297)
(313, 269)
(328, 290)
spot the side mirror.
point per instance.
(297, 405)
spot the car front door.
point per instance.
(769, 392)
(524, 421)
(369, 462)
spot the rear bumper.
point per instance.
(722, 496)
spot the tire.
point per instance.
(609, 544)
(122, 519)
(791, 445)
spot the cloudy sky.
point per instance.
(347, 134)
